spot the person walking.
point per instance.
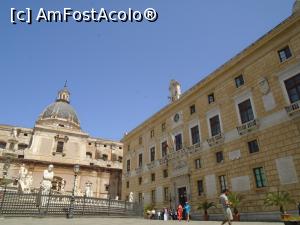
(187, 208)
(179, 212)
(226, 207)
(166, 214)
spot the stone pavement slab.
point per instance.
(112, 221)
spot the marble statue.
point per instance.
(14, 133)
(46, 184)
(117, 197)
(22, 178)
(130, 199)
(48, 175)
(28, 181)
(63, 185)
(88, 189)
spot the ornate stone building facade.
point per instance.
(239, 128)
(58, 139)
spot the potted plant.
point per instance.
(292, 220)
(205, 206)
(147, 211)
(280, 199)
(235, 200)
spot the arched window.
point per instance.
(57, 183)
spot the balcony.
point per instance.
(216, 140)
(248, 127)
(127, 174)
(163, 161)
(194, 148)
(176, 154)
(293, 108)
(139, 170)
(151, 165)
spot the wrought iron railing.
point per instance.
(37, 204)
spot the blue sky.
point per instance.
(118, 73)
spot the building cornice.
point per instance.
(287, 23)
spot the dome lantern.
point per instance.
(64, 94)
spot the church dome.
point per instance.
(60, 113)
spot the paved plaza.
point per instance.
(110, 221)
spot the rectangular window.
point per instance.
(164, 148)
(284, 54)
(140, 180)
(140, 160)
(239, 81)
(127, 184)
(151, 133)
(197, 163)
(3, 145)
(128, 165)
(128, 147)
(60, 146)
(11, 146)
(165, 173)
(192, 109)
(140, 198)
(292, 86)
(153, 196)
(163, 127)
(195, 135)
(166, 194)
(215, 125)
(200, 187)
(219, 157)
(104, 157)
(223, 182)
(253, 146)
(260, 177)
(211, 98)
(152, 177)
(178, 142)
(22, 146)
(246, 111)
(140, 140)
(152, 154)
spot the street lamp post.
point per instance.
(71, 208)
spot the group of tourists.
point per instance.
(183, 211)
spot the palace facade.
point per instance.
(238, 128)
(58, 139)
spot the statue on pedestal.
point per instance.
(130, 198)
(63, 185)
(46, 184)
(22, 175)
(88, 189)
(28, 181)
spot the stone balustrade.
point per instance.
(248, 127)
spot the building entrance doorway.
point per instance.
(182, 196)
